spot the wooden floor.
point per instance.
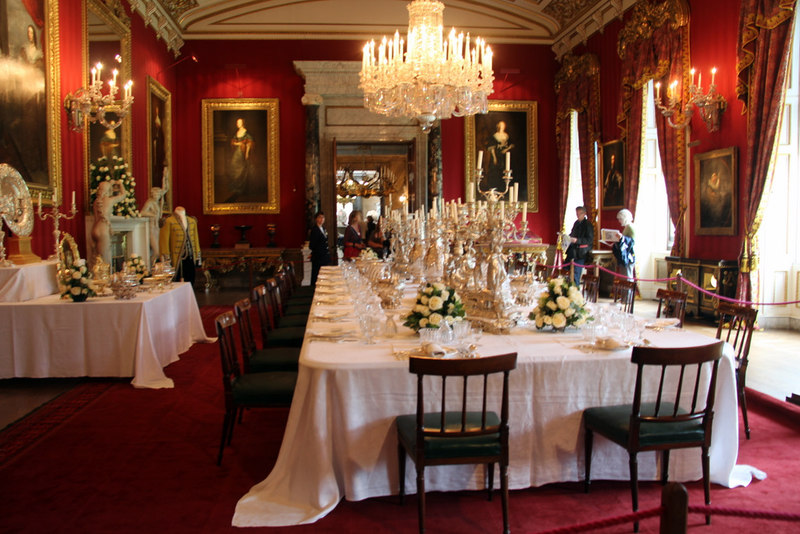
(774, 363)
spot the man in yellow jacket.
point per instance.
(178, 238)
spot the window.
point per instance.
(575, 187)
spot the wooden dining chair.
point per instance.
(246, 390)
(271, 334)
(281, 317)
(289, 305)
(591, 287)
(672, 304)
(624, 292)
(736, 325)
(460, 436)
(679, 416)
(256, 360)
(297, 290)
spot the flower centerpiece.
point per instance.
(367, 254)
(559, 306)
(436, 303)
(137, 266)
(75, 282)
(109, 170)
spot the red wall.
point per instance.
(713, 42)
(536, 67)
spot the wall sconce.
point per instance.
(711, 105)
(91, 104)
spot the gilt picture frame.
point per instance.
(509, 126)
(30, 106)
(715, 192)
(612, 175)
(159, 138)
(241, 165)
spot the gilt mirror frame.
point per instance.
(113, 15)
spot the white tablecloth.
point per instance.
(340, 439)
(49, 337)
(25, 282)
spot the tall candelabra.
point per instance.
(56, 216)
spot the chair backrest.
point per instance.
(278, 294)
(242, 311)
(736, 325)
(672, 304)
(624, 291)
(291, 277)
(462, 368)
(265, 318)
(564, 271)
(686, 397)
(227, 349)
(591, 287)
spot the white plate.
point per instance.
(664, 322)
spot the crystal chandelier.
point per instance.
(427, 78)
(91, 104)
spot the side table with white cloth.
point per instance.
(102, 337)
(340, 439)
(21, 283)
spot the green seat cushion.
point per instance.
(264, 389)
(487, 445)
(274, 359)
(614, 423)
(292, 320)
(291, 336)
(298, 309)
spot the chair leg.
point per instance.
(232, 424)
(421, 497)
(401, 462)
(706, 481)
(227, 421)
(634, 467)
(504, 496)
(743, 404)
(588, 439)
(490, 474)
(665, 467)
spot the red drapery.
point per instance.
(35, 9)
(765, 29)
(654, 44)
(578, 89)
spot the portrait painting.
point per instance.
(506, 134)
(715, 177)
(29, 86)
(240, 156)
(612, 177)
(159, 137)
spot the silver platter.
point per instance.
(16, 206)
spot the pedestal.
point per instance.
(18, 250)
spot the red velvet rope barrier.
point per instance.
(750, 514)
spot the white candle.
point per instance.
(699, 81)
(502, 211)
(73, 199)
(480, 159)
(55, 196)
(40, 202)
(658, 91)
(524, 211)
(713, 75)
(508, 160)
(516, 192)
(692, 72)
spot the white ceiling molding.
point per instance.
(591, 22)
(159, 19)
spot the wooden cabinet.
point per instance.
(716, 276)
(239, 267)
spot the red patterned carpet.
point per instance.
(105, 457)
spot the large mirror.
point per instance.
(108, 42)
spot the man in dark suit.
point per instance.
(580, 242)
(318, 243)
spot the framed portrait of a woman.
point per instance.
(159, 137)
(30, 106)
(504, 138)
(715, 180)
(240, 155)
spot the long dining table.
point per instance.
(340, 440)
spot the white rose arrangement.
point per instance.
(105, 170)
(436, 304)
(75, 282)
(559, 306)
(367, 254)
(136, 265)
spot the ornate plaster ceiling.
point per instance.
(559, 23)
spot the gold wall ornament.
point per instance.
(566, 11)
(646, 17)
(241, 157)
(574, 67)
